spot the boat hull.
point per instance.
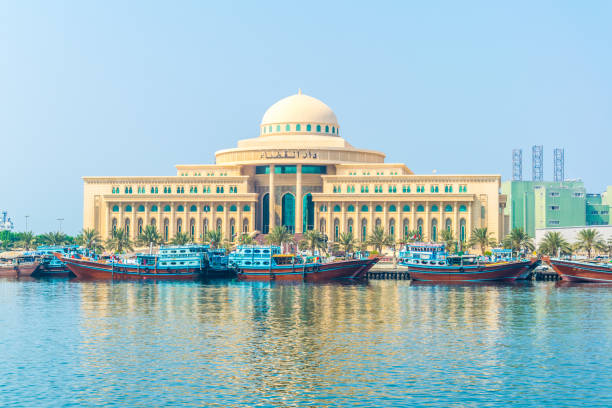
(478, 273)
(59, 271)
(573, 271)
(15, 271)
(85, 269)
(354, 268)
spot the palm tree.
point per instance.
(279, 235)
(518, 240)
(181, 238)
(481, 237)
(315, 240)
(588, 239)
(119, 241)
(448, 238)
(54, 238)
(606, 247)
(149, 236)
(89, 238)
(378, 239)
(246, 239)
(346, 241)
(214, 238)
(27, 241)
(553, 243)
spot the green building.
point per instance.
(597, 209)
(534, 205)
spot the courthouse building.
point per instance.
(300, 173)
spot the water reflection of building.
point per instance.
(302, 174)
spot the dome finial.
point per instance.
(299, 91)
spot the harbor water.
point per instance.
(382, 343)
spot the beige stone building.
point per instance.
(301, 173)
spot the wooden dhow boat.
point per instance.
(431, 263)
(186, 262)
(24, 265)
(267, 263)
(581, 271)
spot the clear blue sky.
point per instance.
(133, 88)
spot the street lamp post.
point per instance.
(26, 228)
(60, 223)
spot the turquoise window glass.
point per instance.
(128, 208)
(420, 208)
(462, 208)
(309, 128)
(141, 208)
(364, 208)
(406, 208)
(351, 208)
(336, 208)
(193, 208)
(448, 208)
(298, 127)
(167, 208)
(318, 128)
(287, 127)
(434, 208)
(219, 208)
(246, 208)
(153, 208)
(233, 208)
(392, 208)
(180, 208)
(115, 208)
(378, 208)
(326, 129)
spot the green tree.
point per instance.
(89, 238)
(518, 241)
(245, 239)
(588, 239)
(149, 236)
(346, 242)
(279, 236)
(181, 238)
(379, 239)
(214, 238)
(54, 238)
(315, 241)
(553, 243)
(27, 241)
(481, 237)
(119, 241)
(448, 238)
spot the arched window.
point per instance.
(322, 226)
(141, 208)
(167, 208)
(420, 227)
(205, 231)
(336, 229)
(434, 230)
(278, 128)
(392, 208)
(377, 223)
(350, 225)
(420, 208)
(378, 208)
(448, 208)
(434, 208)
(180, 208)
(326, 129)
(449, 224)
(350, 208)
(323, 208)
(364, 229)
(406, 227)
(219, 208)
(318, 128)
(219, 224)
(114, 225)
(179, 225)
(308, 128)
(153, 222)
(245, 226)
(232, 229)
(153, 208)
(337, 208)
(406, 208)
(287, 127)
(270, 128)
(392, 227)
(166, 228)
(364, 208)
(128, 208)
(462, 230)
(233, 208)
(207, 208)
(333, 129)
(462, 208)
(298, 127)
(246, 207)
(193, 208)
(115, 208)
(126, 226)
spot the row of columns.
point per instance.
(299, 227)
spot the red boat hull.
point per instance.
(15, 271)
(484, 273)
(85, 269)
(354, 268)
(573, 271)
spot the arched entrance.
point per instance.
(434, 230)
(308, 213)
(288, 212)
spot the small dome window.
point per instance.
(333, 129)
(298, 127)
(270, 128)
(287, 127)
(278, 128)
(309, 128)
(318, 128)
(326, 129)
